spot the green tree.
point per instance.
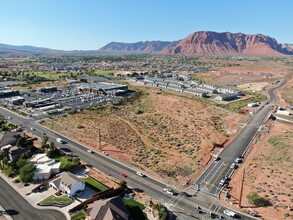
(8, 170)
(2, 156)
(44, 143)
(21, 163)
(21, 142)
(26, 173)
(123, 184)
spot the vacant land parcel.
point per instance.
(154, 130)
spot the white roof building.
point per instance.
(45, 166)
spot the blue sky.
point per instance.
(90, 24)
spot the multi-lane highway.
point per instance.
(209, 181)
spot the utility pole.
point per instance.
(241, 189)
(100, 142)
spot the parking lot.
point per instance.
(40, 105)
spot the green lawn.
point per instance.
(135, 209)
(238, 105)
(104, 72)
(49, 76)
(52, 199)
(95, 184)
(78, 216)
(67, 163)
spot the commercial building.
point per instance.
(102, 88)
(8, 93)
(39, 103)
(18, 100)
(227, 97)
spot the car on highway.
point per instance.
(184, 193)
(9, 118)
(238, 160)
(32, 129)
(169, 191)
(220, 217)
(59, 140)
(65, 149)
(229, 213)
(89, 151)
(123, 175)
(44, 134)
(223, 181)
(217, 158)
(233, 166)
(140, 174)
(199, 209)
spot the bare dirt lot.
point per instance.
(156, 132)
(244, 81)
(286, 94)
(269, 172)
(249, 75)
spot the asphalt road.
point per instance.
(209, 181)
(11, 200)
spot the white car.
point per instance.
(170, 193)
(229, 213)
(89, 151)
(167, 189)
(139, 174)
(222, 182)
(238, 160)
(233, 166)
(33, 129)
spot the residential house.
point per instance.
(8, 137)
(68, 183)
(45, 166)
(108, 209)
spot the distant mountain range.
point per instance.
(7, 50)
(207, 42)
(142, 46)
(202, 42)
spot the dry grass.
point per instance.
(287, 95)
(166, 131)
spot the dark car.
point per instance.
(184, 193)
(65, 149)
(138, 190)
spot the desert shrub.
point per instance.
(257, 200)
(138, 110)
(80, 126)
